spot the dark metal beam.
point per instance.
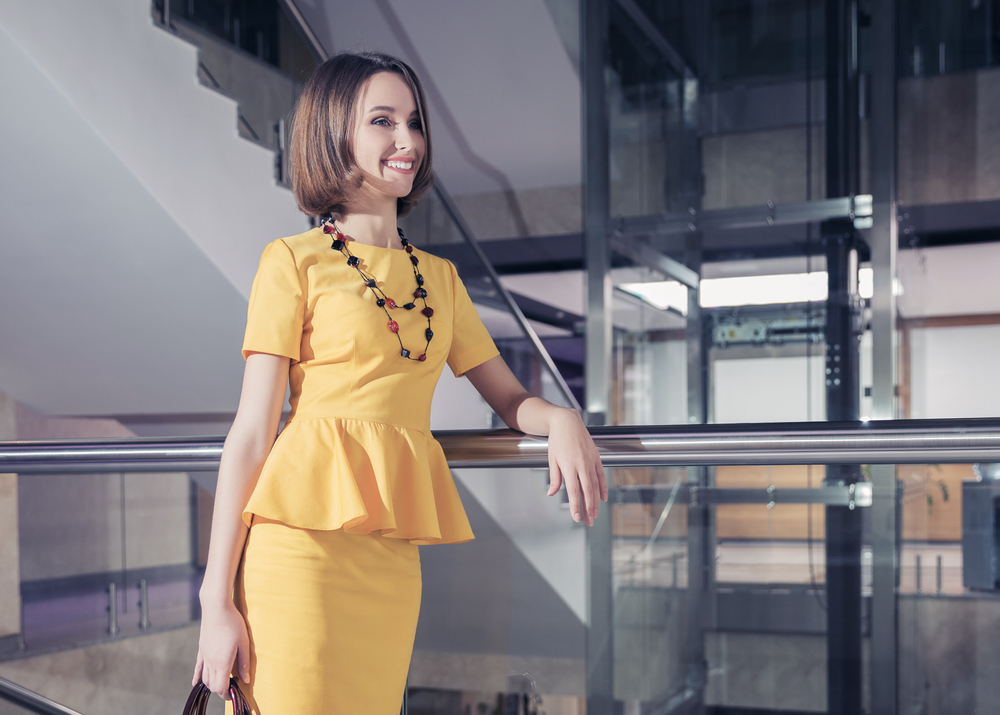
(594, 30)
(646, 255)
(652, 33)
(844, 207)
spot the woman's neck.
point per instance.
(371, 222)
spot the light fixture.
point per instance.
(748, 290)
(763, 290)
(662, 295)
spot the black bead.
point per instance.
(380, 303)
(337, 244)
(429, 333)
(401, 236)
(410, 306)
(370, 283)
(405, 353)
(419, 293)
(352, 261)
(420, 280)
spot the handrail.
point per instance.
(31, 700)
(877, 442)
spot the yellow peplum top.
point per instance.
(356, 451)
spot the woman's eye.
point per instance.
(382, 122)
(416, 125)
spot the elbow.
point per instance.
(248, 447)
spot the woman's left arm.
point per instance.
(573, 458)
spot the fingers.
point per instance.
(243, 661)
(573, 492)
(555, 479)
(220, 684)
(602, 481)
(198, 665)
(589, 496)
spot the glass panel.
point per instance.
(762, 601)
(82, 535)
(939, 37)
(949, 603)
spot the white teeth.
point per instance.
(400, 164)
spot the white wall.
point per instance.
(656, 384)
(769, 389)
(953, 372)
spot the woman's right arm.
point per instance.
(223, 630)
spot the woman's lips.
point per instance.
(403, 166)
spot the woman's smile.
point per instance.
(402, 165)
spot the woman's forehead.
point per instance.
(387, 91)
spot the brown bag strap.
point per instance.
(197, 701)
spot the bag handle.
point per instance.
(197, 702)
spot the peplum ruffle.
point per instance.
(360, 476)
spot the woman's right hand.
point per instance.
(223, 639)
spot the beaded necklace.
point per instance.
(383, 301)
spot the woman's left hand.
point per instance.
(573, 459)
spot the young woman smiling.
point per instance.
(312, 588)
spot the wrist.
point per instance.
(564, 416)
(214, 599)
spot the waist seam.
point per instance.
(314, 418)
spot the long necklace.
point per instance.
(383, 301)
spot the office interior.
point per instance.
(730, 221)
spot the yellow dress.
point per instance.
(329, 582)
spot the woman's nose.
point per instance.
(405, 138)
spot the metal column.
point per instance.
(596, 196)
(701, 526)
(884, 243)
(843, 525)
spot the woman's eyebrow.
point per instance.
(389, 109)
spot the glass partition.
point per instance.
(734, 576)
(108, 555)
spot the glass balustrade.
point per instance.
(724, 566)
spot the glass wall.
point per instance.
(742, 143)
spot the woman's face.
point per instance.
(389, 141)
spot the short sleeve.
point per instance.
(275, 313)
(471, 344)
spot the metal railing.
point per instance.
(32, 701)
(875, 442)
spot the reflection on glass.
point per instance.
(92, 541)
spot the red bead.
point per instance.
(394, 326)
(409, 249)
(427, 312)
(423, 356)
(390, 302)
(329, 229)
(413, 260)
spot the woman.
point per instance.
(319, 528)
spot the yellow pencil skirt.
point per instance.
(331, 618)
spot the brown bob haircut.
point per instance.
(322, 167)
